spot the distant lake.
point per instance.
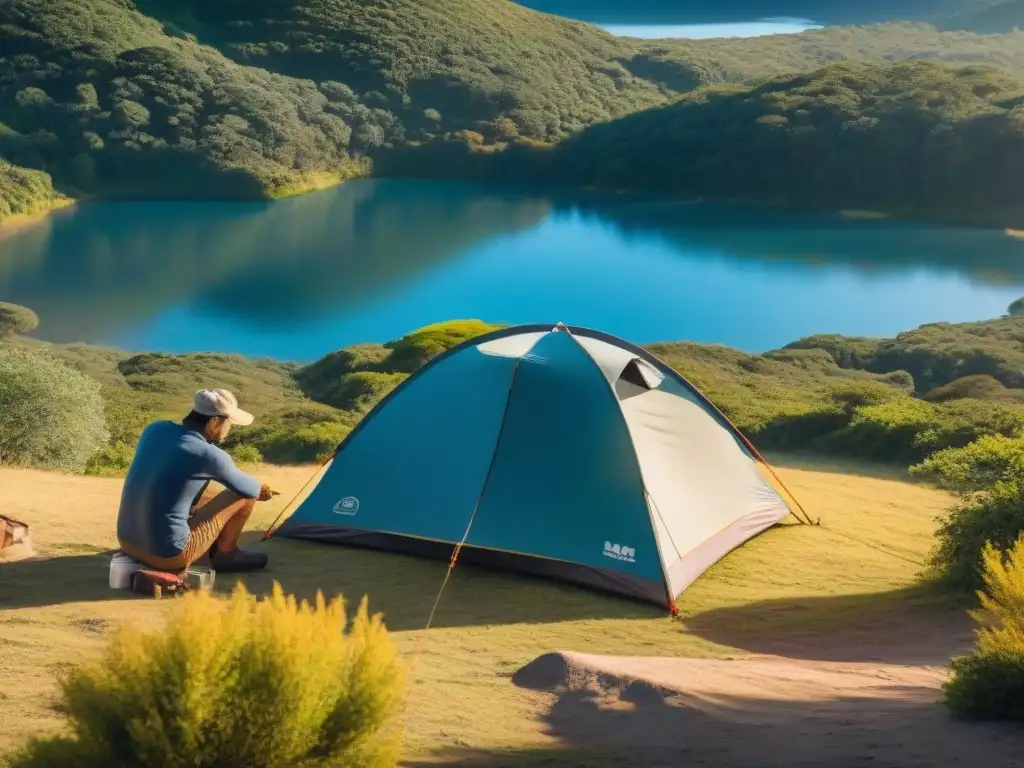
(705, 31)
(372, 260)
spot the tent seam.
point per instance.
(645, 493)
(457, 549)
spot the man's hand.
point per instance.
(266, 493)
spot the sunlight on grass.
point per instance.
(792, 582)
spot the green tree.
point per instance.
(1016, 308)
(51, 416)
(15, 319)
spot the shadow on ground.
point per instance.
(645, 726)
(913, 625)
(403, 588)
(72, 578)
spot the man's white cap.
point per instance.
(220, 402)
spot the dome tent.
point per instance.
(561, 452)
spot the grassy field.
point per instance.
(842, 591)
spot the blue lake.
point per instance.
(704, 31)
(371, 260)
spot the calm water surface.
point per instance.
(370, 261)
(703, 31)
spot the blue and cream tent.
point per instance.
(562, 452)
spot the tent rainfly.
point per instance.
(557, 451)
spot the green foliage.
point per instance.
(269, 683)
(1002, 600)
(937, 354)
(101, 99)
(546, 76)
(978, 387)
(295, 435)
(319, 380)
(794, 399)
(989, 460)
(173, 379)
(263, 99)
(362, 390)
(246, 454)
(847, 351)
(994, 515)
(51, 416)
(1016, 308)
(989, 683)
(356, 379)
(15, 318)
(906, 139)
(113, 460)
(23, 191)
(414, 349)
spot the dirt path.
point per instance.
(762, 711)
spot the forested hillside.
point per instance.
(710, 11)
(900, 399)
(914, 139)
(24, 192)
(910, 139)
(264, 98)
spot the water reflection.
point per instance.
(813, 241)
(368, 261)
(282, 264)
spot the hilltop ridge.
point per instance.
(263, 99)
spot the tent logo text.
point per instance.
(619, 552)
(347, 506)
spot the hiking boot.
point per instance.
(238, 560)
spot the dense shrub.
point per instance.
(903, 138)
(246, 454)
(23, 191)
(414, 349)
(294, 435)
(886, 431)
(1016, 308)
(978, 387)
(268, 683)
(362, 390)
(1002, 600)
(989, 683)
(960, 422)
(51, 416)
(357, 378)
(319, 379)
(846, 351)
(982, 464)
(112, 460)
(15, 318)
(936, 354)
(995, 515)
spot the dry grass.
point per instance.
(805, 592)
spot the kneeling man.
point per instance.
(165, 520)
